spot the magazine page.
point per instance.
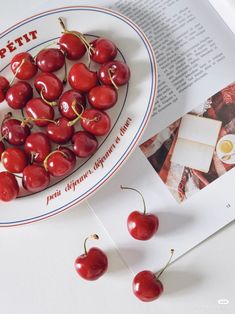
(184, 165)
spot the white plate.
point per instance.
(135, 104)
(229, 137)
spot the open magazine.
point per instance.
(184, 165)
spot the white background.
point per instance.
(36, 261)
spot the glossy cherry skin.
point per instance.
(60, 132)
(27, 70)
(18, 95)
(96, 122)
(102, 97)
(50, 85)
(146, 286)
(38, 145)
(14, 132)
(35, 178)
(61, 162)
(81, 78)
(142, 226)
(50, 60)
(72, 46)
(119, 71)
(36, 108)
(14, 159)
(92, 265)
(104, 50)
(84, 144)
(66, 102)
(9, 187)
(2, 148)
(4, 85)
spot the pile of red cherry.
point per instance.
(30, 150)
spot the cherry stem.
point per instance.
(2, 138)
(79, 116)
(17, 71)
(29, 119)
(65, 72)
(167, 264)
(49, 155)
(18, 176)
(33, 156)
(110, 72)
(93, 237)
(132, 189)
(50, 103)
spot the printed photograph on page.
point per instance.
(197, 149)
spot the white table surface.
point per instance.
(36, 261)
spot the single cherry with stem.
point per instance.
(84, 144)
(13, 131)
(37, 146)
(96, 122)
(35, 178)
(102, 97)
(60, 131)
(141, 226)
(147, 286)
(69, 99)
(23, 66)
(9, 187)
(93, 263)
(39, 112)
(60, 162)
(4, 85)
(14, 159)
(72, 43)
(116, 73)
(104, 50)
(19, 94)
(49, 86)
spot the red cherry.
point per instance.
(4, 85)
(61, 131)
(18, 95)
(92, 264)
(84, 144)
(38, 146)
(81, 78)
(35, 178)
(14, 160)
(71, 43)
(104, 50)
(2, 148)
(49, 86)
(115, 73)
(60, 162)
(141, 226)
(50, 60)
(14, 132)
(23, 66)
(69, 98)
(96, 122)
(9, 187)
(147, 286)
(41, 112)
(102, 97)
